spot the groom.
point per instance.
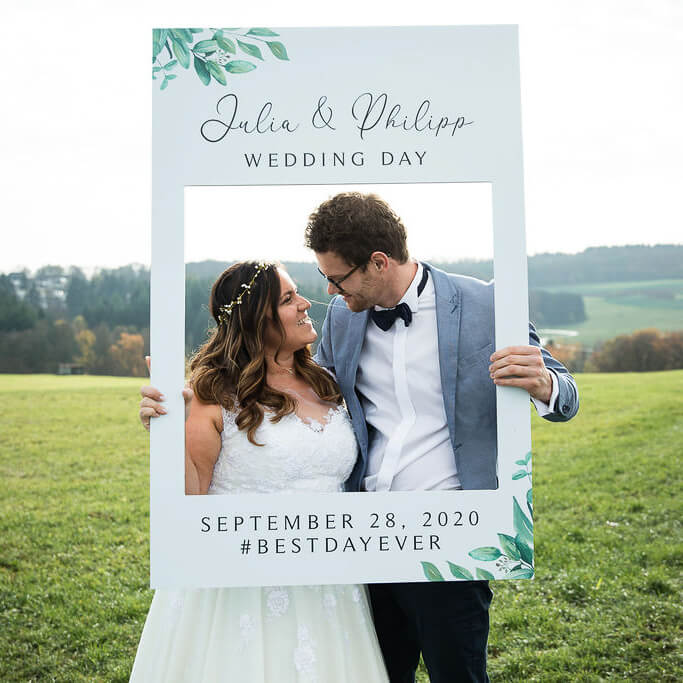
(413, 351)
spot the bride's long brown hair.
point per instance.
(230, 368)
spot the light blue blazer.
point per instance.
(464, 316)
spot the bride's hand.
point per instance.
(151, 404)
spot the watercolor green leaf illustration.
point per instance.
(432, 572)
(214, 53)
(513, 556)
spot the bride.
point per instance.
(264, 418)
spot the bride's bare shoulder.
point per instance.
(207, 413)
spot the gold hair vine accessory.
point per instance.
(225, 311)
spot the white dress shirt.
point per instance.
(399, 383)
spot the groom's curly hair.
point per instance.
(230, 368)
(354, 225)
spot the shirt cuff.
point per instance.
(547, 408)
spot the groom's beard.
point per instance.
(364, 297)
(357, 302)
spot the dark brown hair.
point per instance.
(354, 225)
(230, 368)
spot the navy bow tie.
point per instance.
(385, 319)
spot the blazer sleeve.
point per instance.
(567, 404)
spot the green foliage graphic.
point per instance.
(212, 52)
(514, 559)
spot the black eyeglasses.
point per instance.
(337, 283)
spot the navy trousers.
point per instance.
(448, 622)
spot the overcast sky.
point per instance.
(602, 102)
(467, 232)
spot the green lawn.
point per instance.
(614, 308)
(612, 288)
(608, 318)
(605, 604)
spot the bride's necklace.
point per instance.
(282, 371)
(282, 379)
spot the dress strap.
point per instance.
(229, 417)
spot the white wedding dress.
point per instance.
(275, 634)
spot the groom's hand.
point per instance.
(522, 366)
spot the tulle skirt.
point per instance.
(295, 634)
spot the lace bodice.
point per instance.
(297, 455)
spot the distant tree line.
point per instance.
(56, 316)
(101, 323)
(555, 308)
(596, 264)
(642, 351)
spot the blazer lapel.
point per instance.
(448, 330)
(355, 334)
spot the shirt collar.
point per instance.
(410, 297)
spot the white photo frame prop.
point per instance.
(336, 106)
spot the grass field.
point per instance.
(614, 308)
(605, 604)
